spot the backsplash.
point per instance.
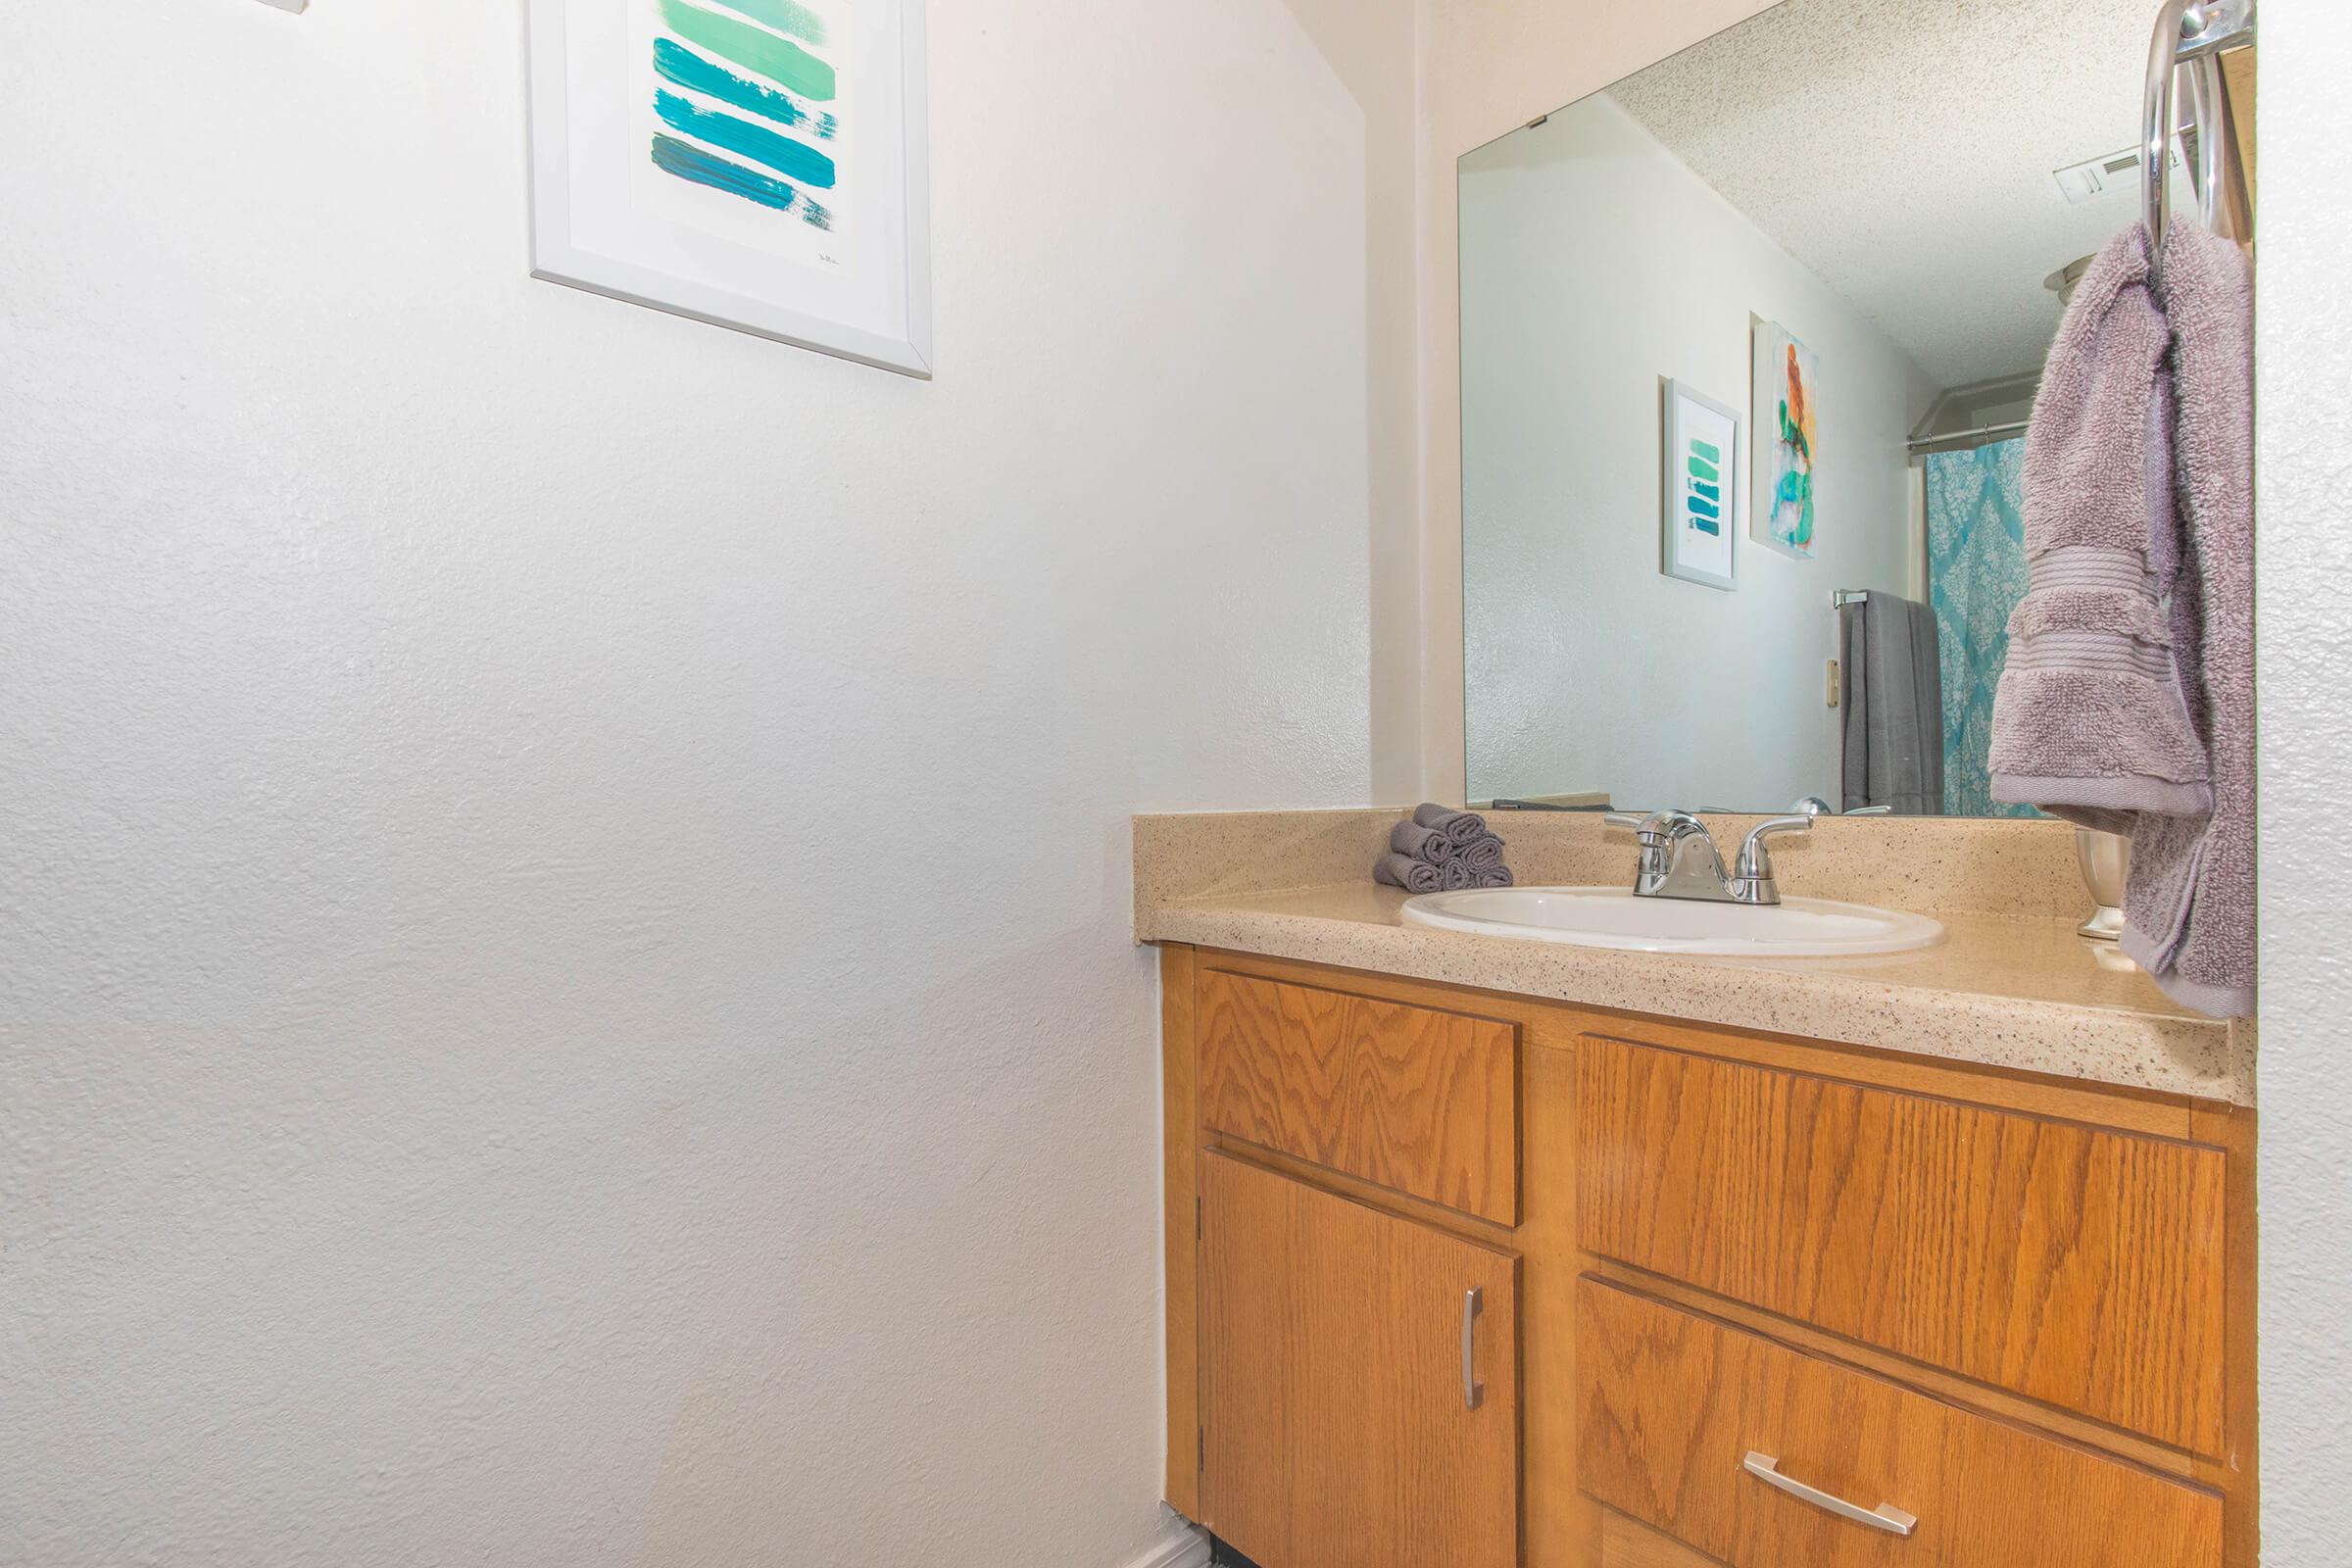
(2018, 870)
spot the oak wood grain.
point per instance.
(1628, 1543)
(1562, 1024)
(1180, 1145)
(2079, 1267)
(2234, 1129)
(1557, 1514)
(1561, 1525)
(1674, 1401)
(1411, 1098)
(1331, 1378)
(1949, 1387)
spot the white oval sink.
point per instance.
(1612, 917)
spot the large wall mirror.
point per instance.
(1748, 343)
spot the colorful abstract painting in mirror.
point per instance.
(1788, 415)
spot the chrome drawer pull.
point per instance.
(1885, 1516)
(1474, 1393)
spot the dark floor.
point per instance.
(1223, 1556)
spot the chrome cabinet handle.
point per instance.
(1474, 1393)
(1885, 1516)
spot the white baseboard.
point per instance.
(1183, 1546)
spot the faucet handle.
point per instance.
(1646, 826)
(1660, 827)
(1815, 806)
(1753, 870)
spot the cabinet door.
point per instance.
(1339, 1351)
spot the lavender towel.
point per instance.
(2090, 720)
(2190, 900)
(1402, 872)
(1463, 828)
(1483, 853)
(2128, 702)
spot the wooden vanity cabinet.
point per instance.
(1360, 1375)
(1741, 1299)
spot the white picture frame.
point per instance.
(642, 188)
(1698, 487)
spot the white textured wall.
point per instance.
(2304, 437)
(1594, 263)
(565, 959)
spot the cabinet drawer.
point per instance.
(2079, 1267)
(1423, 1102)
(1672, 1405)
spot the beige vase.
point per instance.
(2106, 859)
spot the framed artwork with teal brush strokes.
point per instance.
(761, 165)
(1787, 409)
(1699, 488)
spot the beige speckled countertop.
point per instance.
(2011, 984)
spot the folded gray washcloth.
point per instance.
(1443, 851)
(1417, 843)
(1403, 872)
(1463, 828)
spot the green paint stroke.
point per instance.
(785, 15)
(779, 60)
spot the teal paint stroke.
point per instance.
(1977, 573)
(779, 60)
(785, 15)
(794, 159)
(675, 63)
(691, 162)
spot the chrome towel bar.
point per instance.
(2191, 36)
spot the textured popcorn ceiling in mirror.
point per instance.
(1903, 149)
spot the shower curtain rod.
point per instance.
(1983, 435)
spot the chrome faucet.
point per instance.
(1680, 859)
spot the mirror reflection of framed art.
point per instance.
(1699, 488)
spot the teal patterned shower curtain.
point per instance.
(1976, 575)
